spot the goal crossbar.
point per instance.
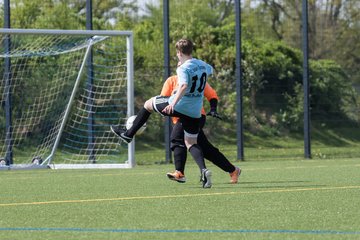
(66, 32)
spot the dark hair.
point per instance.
(185, 46)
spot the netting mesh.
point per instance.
(39, 81)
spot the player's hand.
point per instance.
(214, 114)
(169, 109)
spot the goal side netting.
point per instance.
(60, 92)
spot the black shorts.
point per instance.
(190, 125)
(177, 134)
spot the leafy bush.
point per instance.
(331, 95)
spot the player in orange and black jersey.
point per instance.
(177, 137)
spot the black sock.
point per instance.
(140, 120)
(197, 154)
(213, 154)
(180, 154)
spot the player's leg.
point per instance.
(191, 130)
(214, 155)
(141, 118)
(178, 147)
(194, 149)
(196, 152)
(180, 153)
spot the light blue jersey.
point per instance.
(194, 73)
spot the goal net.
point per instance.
(60, 92)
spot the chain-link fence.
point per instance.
(272, 69)
(272, 76)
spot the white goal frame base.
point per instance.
(65, 166)
(89, 166)
(23, 167)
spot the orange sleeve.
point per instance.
(167, 89)
(169, 86)
(210, 93)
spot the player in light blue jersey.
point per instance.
(193, 73)
(185, 103)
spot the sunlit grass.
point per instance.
(287, 199)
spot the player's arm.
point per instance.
(210, 93)
(182, 83)
(213, 98)
(179, 94)
(167, 90)
(168, 86)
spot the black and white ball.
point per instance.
(129, 123)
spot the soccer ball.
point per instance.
(129, 123)
(37, 160)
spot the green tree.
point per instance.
(334, 29)
(43, 14)
(68, 14)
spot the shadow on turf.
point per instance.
(262, 184)
(271, 184)
(283, 186)
(274, 182)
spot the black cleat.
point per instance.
(206, 178)
(120, 132)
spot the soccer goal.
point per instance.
(60, 92)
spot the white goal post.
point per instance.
(60, 92)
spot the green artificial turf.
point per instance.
(287, 199)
